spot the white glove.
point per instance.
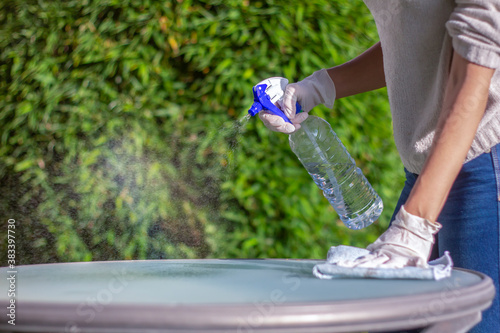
(407, 242)
(315, 89)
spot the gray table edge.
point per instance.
(343, 316)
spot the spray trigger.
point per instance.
(266, 94)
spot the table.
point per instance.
(234, 295)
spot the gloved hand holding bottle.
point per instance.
(317, 146)
(315, 89)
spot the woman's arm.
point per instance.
(464, 104)
(361, 74)
(408, 241)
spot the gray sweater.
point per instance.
(418, 38)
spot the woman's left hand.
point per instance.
(407, 242)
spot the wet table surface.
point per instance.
(236, 295)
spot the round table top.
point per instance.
(228, 294)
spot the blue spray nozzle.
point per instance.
(263, 101)
(255, 108)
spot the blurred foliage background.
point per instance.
(120, 135)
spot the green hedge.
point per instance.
(120, 136)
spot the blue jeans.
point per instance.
(470, 220)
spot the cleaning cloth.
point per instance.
(438, 269)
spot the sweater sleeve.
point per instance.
(474, 26)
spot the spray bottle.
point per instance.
(325, 158)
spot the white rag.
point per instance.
(438, 269)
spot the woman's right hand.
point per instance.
(315, 89)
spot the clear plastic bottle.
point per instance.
(325, 158)
(335, 172)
